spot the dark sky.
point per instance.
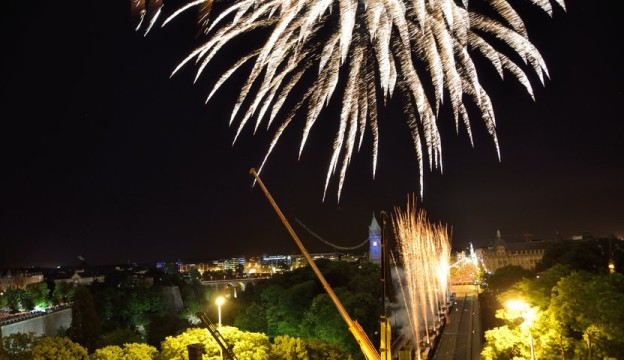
(105, 157)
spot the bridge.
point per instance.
(233, 285)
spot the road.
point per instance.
(461, 337)
(6, 318)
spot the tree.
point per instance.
(3, 300)
(505, 277)
(175, 347)
(119, 337)
(364, 308)
(40, 294)
(111, 352)
(288, 348)
(592, 307)
(254, 318)
(318, 350)
(322, 321)
(194, 274)
(85, 326)
(162, 326)
(503, 343)
(142, 303)
(121, 303)
(27, 302)
(366, 280)
(139, 351)
(59, 348)
(130, 351)
(576, 315)
(291, 348)
(584, 255)
(13, 299)
(278, 306)
(63, 292)
(111, 306)
(517, 339)
(283, 314)
(246, 345)
(539, 289)
(17, 346)
(192, 302)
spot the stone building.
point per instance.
(17, 278)
(79, 277)
(525, 253)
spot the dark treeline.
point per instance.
(295, 304)
(291, 310)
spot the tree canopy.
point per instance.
(295, 304)
(17, 346)
(58, 348)
(85, 326)
(573, 314)
(130, 351)
(246, 345)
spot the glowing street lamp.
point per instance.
(528, 315)
(220, 300)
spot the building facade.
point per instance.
(525, 254)
(18, 279)
(80, 277)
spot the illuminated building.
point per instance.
(374, 237)
(502, 253)
(18, 279)
(80, 277)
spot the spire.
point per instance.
(374, 225)
(499, 239)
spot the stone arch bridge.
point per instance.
(231, 287)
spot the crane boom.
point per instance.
(369, 351)
(225, 348)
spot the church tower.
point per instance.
(374, 239)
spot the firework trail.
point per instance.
(425, 254)
(367, 50)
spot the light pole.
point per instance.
(220, 300)
(527, 315)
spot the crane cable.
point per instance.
(327, 242)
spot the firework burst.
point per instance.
(425, 252)
(367, 50)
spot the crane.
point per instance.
(367, 348)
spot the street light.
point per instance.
(528, 315)
(220, 300)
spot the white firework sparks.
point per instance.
(425, 253)
(422, 48)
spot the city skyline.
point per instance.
(107, 158)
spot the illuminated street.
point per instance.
(460, 339)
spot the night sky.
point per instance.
(105, 157)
